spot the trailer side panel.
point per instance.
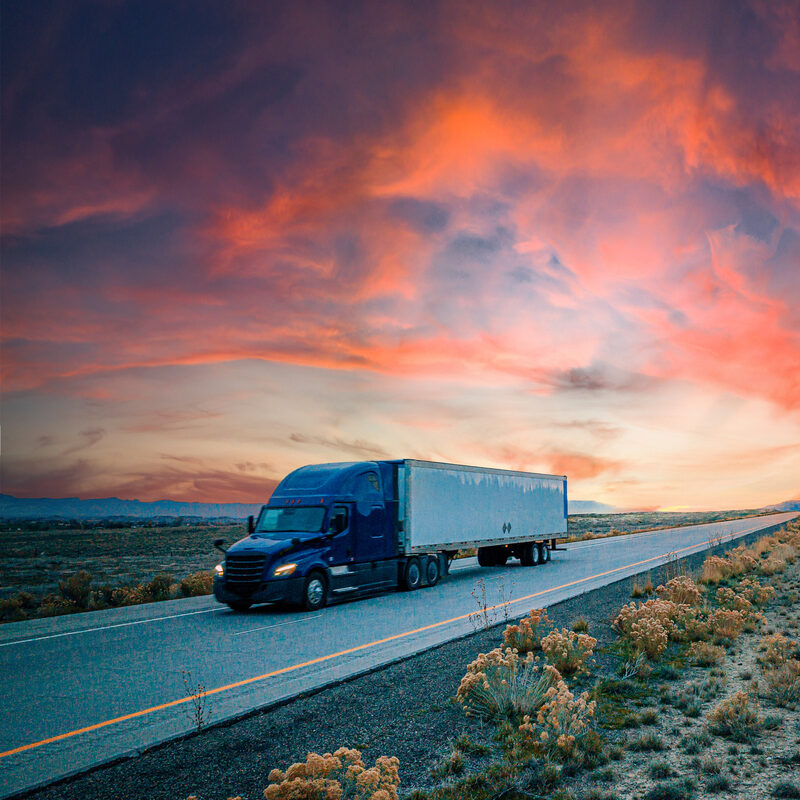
(447, 506)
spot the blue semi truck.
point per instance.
(334, 531)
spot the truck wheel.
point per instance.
(544, 552)
(432, 571)
(485, 557)
(412, 577)
(530, 555)
(240, 605)
(315, 592)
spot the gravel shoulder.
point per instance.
(406, 710)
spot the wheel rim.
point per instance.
(314, 591)
(413, 573)
(433, 571)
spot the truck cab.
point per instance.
(329, 530)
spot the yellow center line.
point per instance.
(355, 649)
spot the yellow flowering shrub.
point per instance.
(648, 626)
(754, 592)
(776, 649)
(501, 684)
(726, 624)
(561, 723)
(526, 637)
(727, 598)
(335, 776)
(568, 651)
(682, 590)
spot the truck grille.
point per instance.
(242, 570)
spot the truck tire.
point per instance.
(485, 557)
(412, 575)
(544, 552)
(432, 571)
(240, 605)
(315, 592)
(529, 557)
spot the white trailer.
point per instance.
(502, 513)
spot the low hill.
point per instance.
(113, 507)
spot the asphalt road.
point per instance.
(86, 689)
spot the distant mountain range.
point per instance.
(112, 507)
(789, 505)
(590, 507)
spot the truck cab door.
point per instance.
(341, 553)
(374, 533)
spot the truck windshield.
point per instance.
(291, 520)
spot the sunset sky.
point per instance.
(561, 237)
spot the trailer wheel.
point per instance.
(412, 577)
(485, 557)
(315, 592)
(529, 557)
(544, 552)
(432, 571)
(240, 605)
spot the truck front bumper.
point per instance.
(282, 590)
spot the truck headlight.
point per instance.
(219, 570)
(284, 569)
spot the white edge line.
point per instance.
(108, 627)
(277, 625)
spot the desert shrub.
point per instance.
(782, 683)
(718, 783)
(726, 624)
(526, 637)
(660, 769)
(772, 565)
(54, 605)
(130, 596)
(674, 790)
(756, 593)
(11, 610)
(647, 627)
(681, 589)
(159, 587)
(568, 651)
(580, 625)
(26, 600)
(503, 685)
(196, 584)
(648, 742)
(784, 552)
(727, 598)
(76, 588)
(735, 718)
(741, 560)
(715, 569)
(693, 625)
(776, 649)
(341, 776)
(562, 723)
(786, 789)
(706, 655)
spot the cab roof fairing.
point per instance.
(320, 481)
